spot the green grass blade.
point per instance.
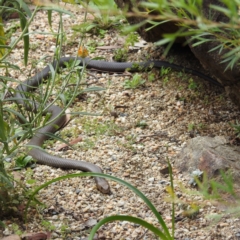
(23, 22)
(139, 221)
(173, 204)
(50, 18)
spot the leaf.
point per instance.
(23, 161)
(2, 39)
(69, 1)
(136, 220)
(57, 9)
(23, 23)
(94, 89)
(50, 18)
(25, 7)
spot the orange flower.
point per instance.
(82, 52)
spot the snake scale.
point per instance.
(41, 135)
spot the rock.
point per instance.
(209, 155)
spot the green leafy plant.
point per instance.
(96, 127)
(163, 73)
(142, 124)
(194, 25)
(136, 82)
(236, 127)
(120, 54)
(8, 132)
(23, 162)
(48, 225)
(192, 85)
(193, 126)
(151, 77)
(89, 27)
(15, 129)
(8, 7)
(105, 15)
(105, 12)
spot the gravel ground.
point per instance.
(138, 130)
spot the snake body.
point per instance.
(58, 120)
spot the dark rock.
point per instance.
(164, 170)
(210, 155)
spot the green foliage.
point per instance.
(89, 27)
(214, 189)
(120, 54)
(16, 229)
(163, 73)
(193, 126)
(19, 6)
(12, 131)
(151, 77)
(105, 14)
(236, 127)
(23, 162)
(16, 123)
(48, 225)
(136, 82)
(103, 10)
(142, 124)
(96, 127)
(194, 25)
(192, 85)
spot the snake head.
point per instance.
(102, 185)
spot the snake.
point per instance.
(58, 119)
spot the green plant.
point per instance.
(120, 54)
(103, 10)
(191, 127)
(151, 77)
(8, 132)
(23, 162)
(194, 25)
(236, 127)
(136, 82)
(48, 225)
(192, 85)
(64, 230)
(15, 129)
(89, 27)
(163, 72)
(142, 124)
(105, 15)
(16, 229)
